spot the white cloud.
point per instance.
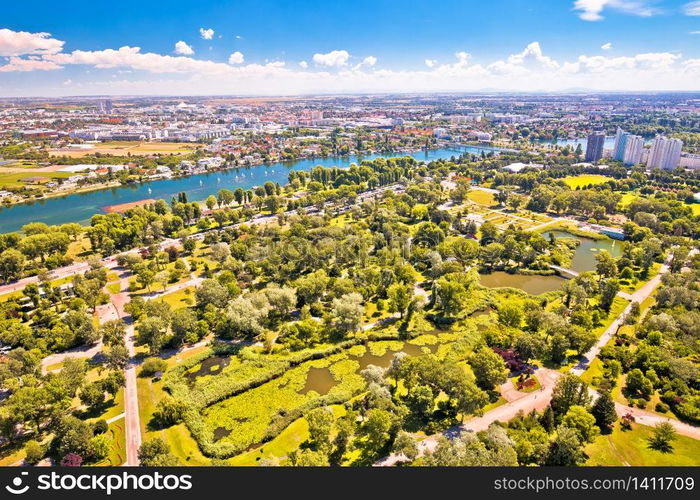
(68, 82)
(207, 34)
(17, 64)
(692, 9)
(430, 62)
(236, 58)
(369, 61)
(304, 64)
(592, 10)
(334, 58)
(18, 43)
(133, 58)
(694, 32)
(183, 49)
(606, 46)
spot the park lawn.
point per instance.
(180, 299)
(623, 448)
(181, 443)
(583, 180)
(10, 296)
(481, 197)
(695, 207)
(79, 247)
(595, 369)
(113, 287)
(628, 198)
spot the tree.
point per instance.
(406, 445)
(184, 325)
(320, 424)
(169, 411)
(604, 411)
(529, 346)
(243, 319)
(510, 314)
(11, 264)
(606, 265)
(399, 298)
(156, 453)
(112, 332)
(117, 356)
(608, 291)
(211, 202)
(638, 385)
(99, 446)
(565, 449)
(282, 300)
(376, 428)
(662, 436)
(34, 451)
(488, 367)
(582, 422)
(347, 312)
(211, 292)
(569, 391)
(220, 252)
(151, 331)
(92, 395)
(224, 197)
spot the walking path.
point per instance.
(538, 400)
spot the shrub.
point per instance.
(662, 407)
(100, 427)
(35, 452)
(153, 365)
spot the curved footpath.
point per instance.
(540, 399)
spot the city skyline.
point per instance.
(363, 47)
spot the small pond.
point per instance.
(584, 256)
(209, 366)
(533, 284)
(321, 380)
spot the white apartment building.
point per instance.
(665, 153)
(634, 145)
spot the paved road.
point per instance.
(131, 403)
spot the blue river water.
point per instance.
(80, 207)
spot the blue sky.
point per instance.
(317, 46)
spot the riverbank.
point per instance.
(80, 207)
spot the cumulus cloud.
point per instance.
(207, 34)
(334, 58)
(592, 10)
(304, 64)
(133, 58)
(692, 8)
(606, 46)
(19, 43)
(430, 62)
(183, 49)
(236, 58)
(17, 64)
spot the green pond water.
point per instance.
(532, 284)
(321, 380)
(584, 256)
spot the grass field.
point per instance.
(630, 448)
(628, 198)
(580, 181)
(14, 179)
(695, 207)
(135, 148)
(481, 197)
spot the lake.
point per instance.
(81, 206)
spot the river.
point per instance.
(79, 207)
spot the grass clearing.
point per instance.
(583, 180)
(630, 448)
